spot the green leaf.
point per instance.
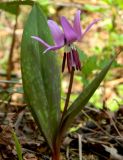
(12, 6)
(83, 98)
(90, 65)
(43, 2)
(17, 146)
(41, 75)
(83, 56)
(93, 8)
(110, 2)
(120, 3)
(116, 39)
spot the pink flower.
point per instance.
(66, 37)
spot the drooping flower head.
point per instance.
(65, 37)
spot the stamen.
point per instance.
(76, 59)
(68, 62)
(63, 62)
(72, 60)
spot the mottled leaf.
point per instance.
(83, 98)
(41, 75)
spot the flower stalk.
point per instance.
(68, 93)
(56, 153)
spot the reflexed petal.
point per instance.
(52, 48)
(90, 25)
(57, 33)
(69, 32)
(40, 40)
(77, 25)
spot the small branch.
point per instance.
(80, 146)
(10, 65)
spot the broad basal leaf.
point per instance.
(41, 76)
(83, 98)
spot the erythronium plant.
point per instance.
(41, 74)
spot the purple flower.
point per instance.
(66, 37)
